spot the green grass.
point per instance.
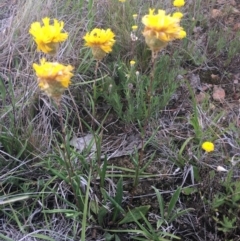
(142, 175)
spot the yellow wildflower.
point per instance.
(53, 78)
(134, 16)
(208, 146)
(178, 3)
(161, 29)
(48, 36)
(134, 27)
(177, 15)
(100, 41)
(132, 63)
(182, 34)
(123, 1)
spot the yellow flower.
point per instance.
(53, 78)
(177, 15)
(161, 29)
(178, 3)
(208, 146)
(134, 16)
(123, 1)
(48, 36)
(182, 34)
(132, 63)
(100, 41)
(134, 27)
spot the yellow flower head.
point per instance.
(48, 36)
(132, 63)
(100, 41)
(134, 16)
(178, 3)
(208, 146)
(123, 1)
(134, 27)
(161, 29)
(177, 15)
(53, 78)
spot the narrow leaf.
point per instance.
(103, 172)
(101, 215)
(136, 212)
(118, 197)
(5, 238)
(42, 236)
(114, 203)
(178, 214)
(160, 202)
(173, 202)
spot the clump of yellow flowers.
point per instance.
(53, 78)
(47, 37)
(208, 146)
(100, 41)
(161, 29)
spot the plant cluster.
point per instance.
(139, 92)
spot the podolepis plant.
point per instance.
(48, 36)
(53, 78)
(100, 41)
(159, 30)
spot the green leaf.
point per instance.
(218, 201)
(178, 214)
(94, 206)
(2, 92)
(101, 215)
(173, 202)
(5, 238)
(189, 190)
(148, 163)
(108, 236)
(13, 199)
(117, 238)
(136, 212)
(146, 233)
(181, 159)
(159, 223)
(103, 172)
(119, 191)
(160, 202)
(114, 203)
(118, 197)
(42, 236)
(196, 174)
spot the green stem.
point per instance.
(85, 210)
(149, 110)
(67, 157)
(94, 93)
